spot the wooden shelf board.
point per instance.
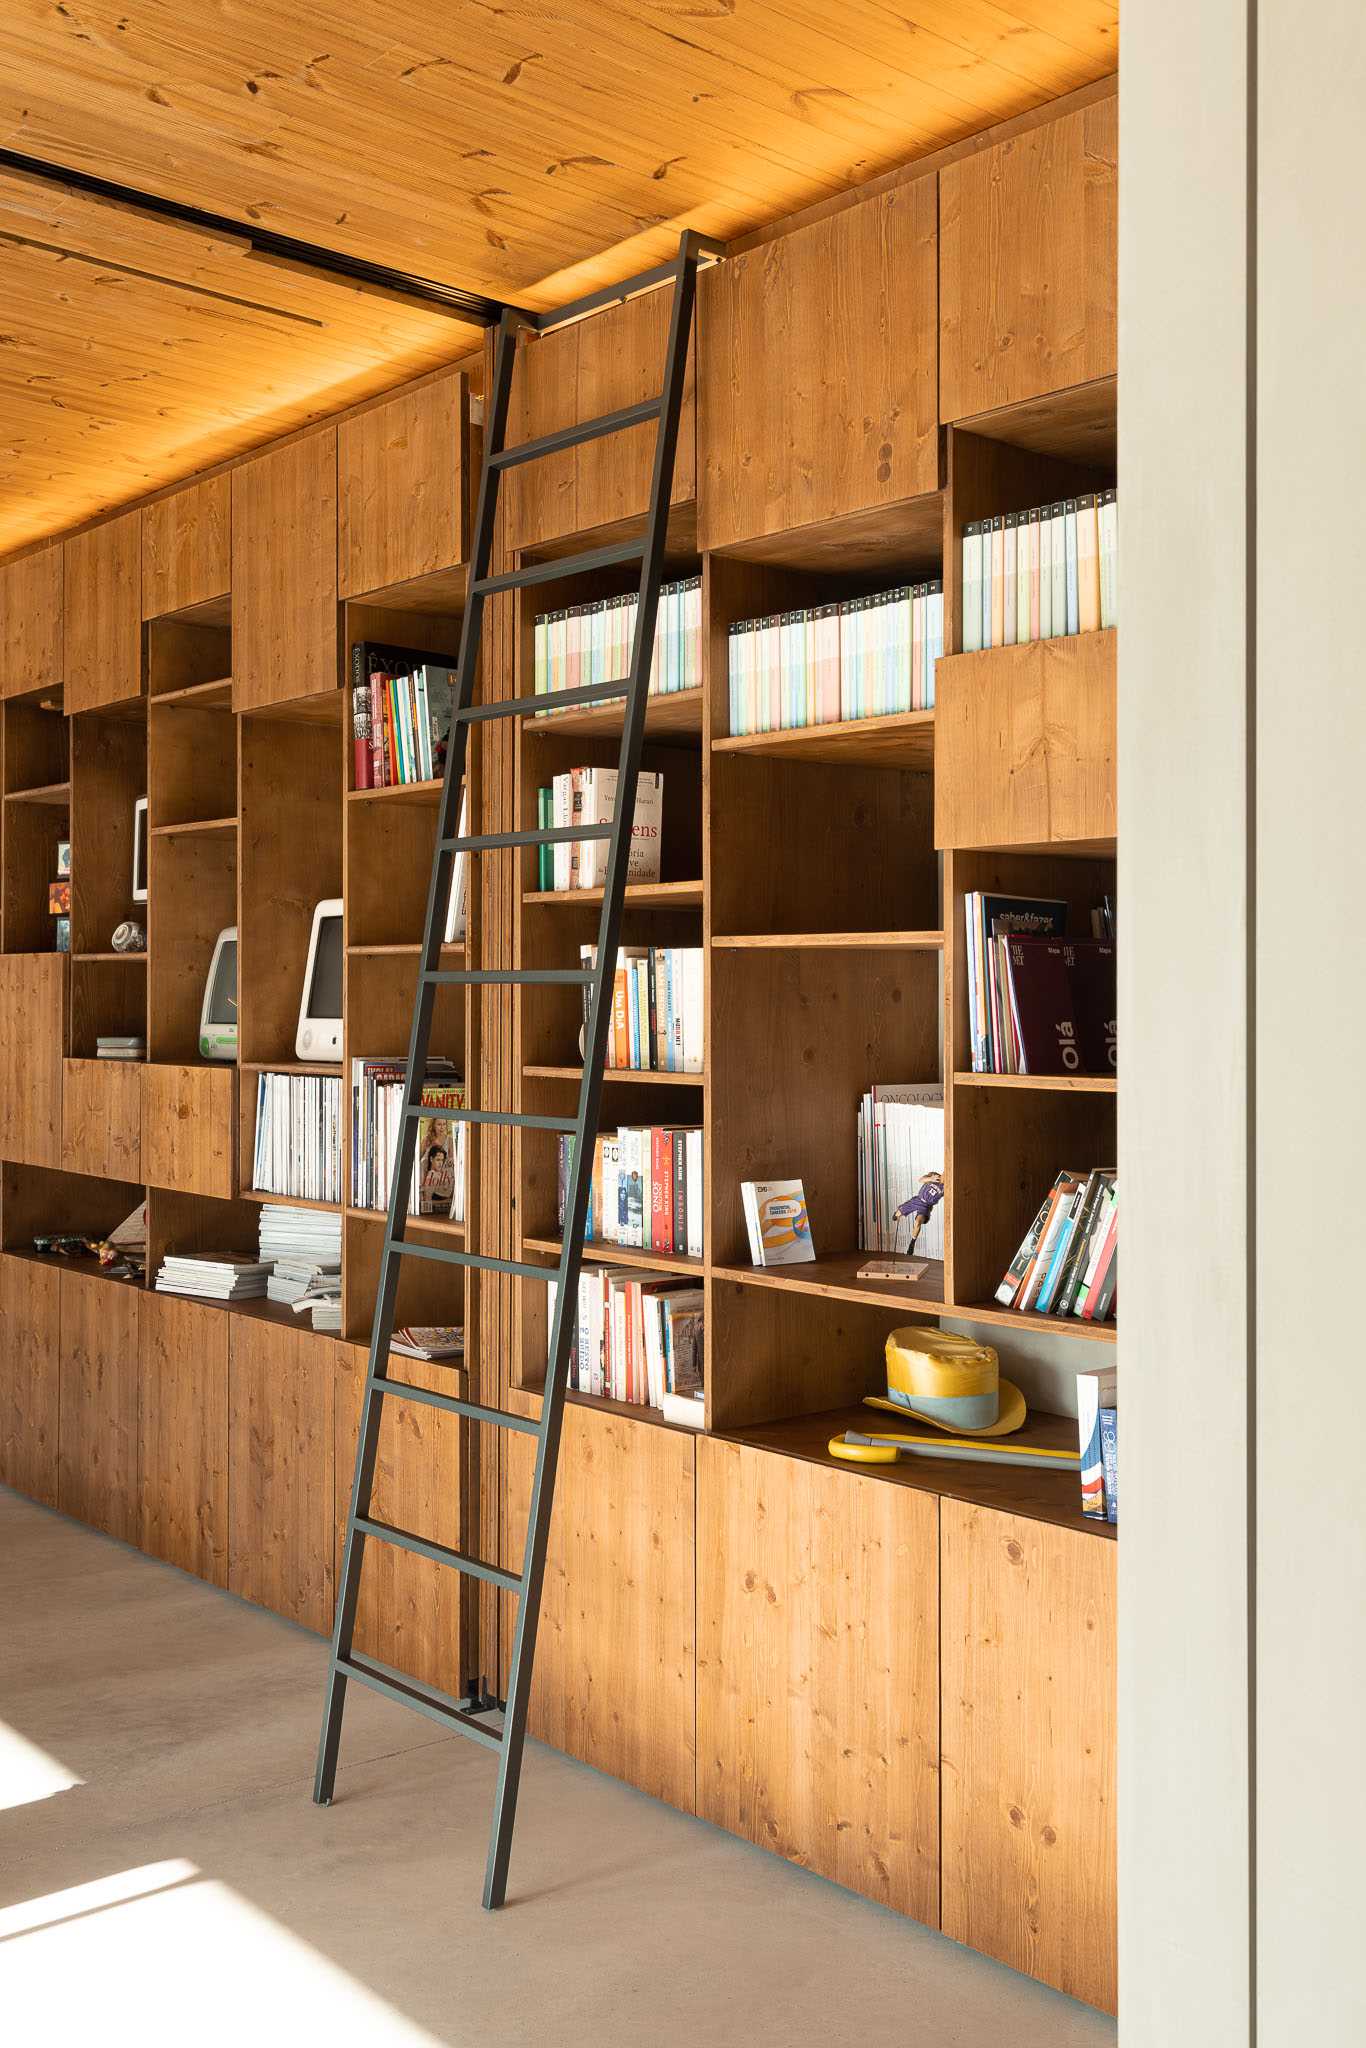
(439, 1226)
(1062, 1084)
(398, 793)
(1075, 425)
(837, 942)
(674, 711)
(833, 1276)
(627, 1411)
(903, 739)
(333, 1072)
(1039, 1496)
(1054, 1326)
(406, 951)
(647, 1075)
(289, 1201)
(893, 541)
(639, 895)
(90, 1268)
(194, 828)
(620, 1255)
(58, 794)
(211, 696)
(439, 593)
(85, 958)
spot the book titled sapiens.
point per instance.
(779, 1230)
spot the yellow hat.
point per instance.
(951, 1382)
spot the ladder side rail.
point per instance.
(438, 891)
(590, 1093)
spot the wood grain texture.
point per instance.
(1025, 745)
(402, 487)
(100, 1381)
(184, 1435)
(186, 552)
(102, 1118)
(189, 1128)
(284, 573)
(1028, 1650)
(1027, 276)
(102, 614)
(31, 622)
(108, 775)
(33, 1026)
(615, 1657)
(410, 1608)
(818, 1668)
(30, 1377)
(281, 1504)
(848, 308)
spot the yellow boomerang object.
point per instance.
(888, 1446)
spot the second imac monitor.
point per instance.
(319, 1036)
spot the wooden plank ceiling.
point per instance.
(526, 150)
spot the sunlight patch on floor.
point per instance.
(28, 1773)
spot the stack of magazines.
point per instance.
(212, 1276)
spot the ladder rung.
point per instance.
(481, 1260)
(514, 1118)
(608, 295)
(616, 552)
(544, 835)
(410, 1692)
(571, 437)
(511, 977)
(440, 1553)
(451, 1404)
(548, 700)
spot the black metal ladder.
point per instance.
(346, 1664)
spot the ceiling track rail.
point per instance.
(445, 298)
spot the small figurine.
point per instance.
(918, 1207)
(129, 937)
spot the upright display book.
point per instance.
(775, 1214)
(1096, 1392)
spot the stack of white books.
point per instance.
(289, 1233)
(293, 1278)
(213, 1276)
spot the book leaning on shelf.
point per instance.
(438, 1184)
(298, 1136)
(1041, 574)
(656, 1024)
(865, 658)
(591, 643)
(646, 1189)
(1038, 1002)
(587, 796)
(1067, 1261)
(637, 1338)
(900, 1159)
(1098, 1435)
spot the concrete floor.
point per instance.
(164, 1878)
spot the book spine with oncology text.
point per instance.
(360, 718)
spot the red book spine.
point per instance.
(376, 734)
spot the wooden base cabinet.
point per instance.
(98, 1477)
(30, 1368)
(184, 1476)
(1028, 1651)
(281, 1508)
(616, 1655)
(818, 1670)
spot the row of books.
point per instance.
(657, 1009)
(1098, 1431)
(591, 643)
(901, 1169)
(865, 658)
(638, 1338)
(588, 796)
(298, 1136)
(438, 1187)
(400, 716)
(1040, 574)
(302, 1250)
(1038, 1002)
(646, 1188)
(1067, 1261)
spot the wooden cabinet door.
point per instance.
(818, 1669)
(102, 573)
(189, 1128)
(33, 998)
(596, 366)
(102, 1119)
(409, 1614)
(1028, 1650)
(1027, 263)
(819, 390)
(284, 573)
(184, 1435)
(401, 487)
(615, 1656)
(185, 554)
(31, 622)
(101, 1372)
(30, 1365)
(281, 1508)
